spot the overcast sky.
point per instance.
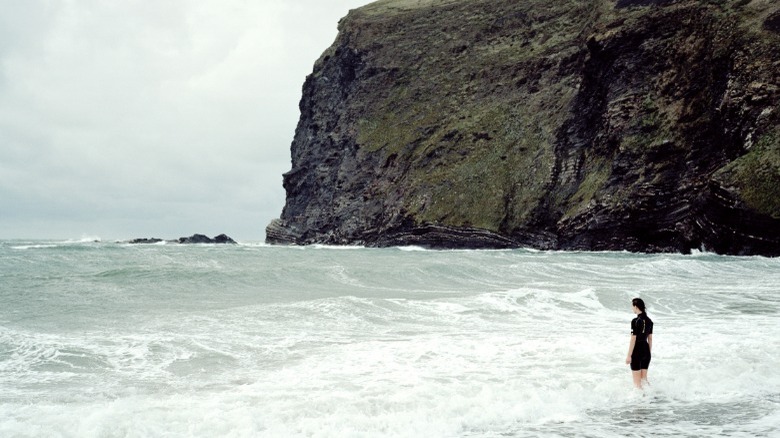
(123, 119)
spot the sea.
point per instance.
(108, 339)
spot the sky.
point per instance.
(126, 119)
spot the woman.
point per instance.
(641, 343)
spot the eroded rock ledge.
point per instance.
(641, 125)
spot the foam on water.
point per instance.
(250, 340)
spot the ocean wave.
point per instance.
(85, 239)
(248, 341)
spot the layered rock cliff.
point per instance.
(640, 125)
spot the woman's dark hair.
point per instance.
(639, 304)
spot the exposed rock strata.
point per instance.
(593, 125)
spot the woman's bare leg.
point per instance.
(643, 375)
(637, 375)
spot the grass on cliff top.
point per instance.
(391, 6)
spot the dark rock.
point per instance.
(200, 238)
(223, 238)
(439, 237)
(145, 240)
(772, 23)
(632, 3)
(554, 124)
(279, 231)
(196, 238)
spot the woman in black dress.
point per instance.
(641, 343)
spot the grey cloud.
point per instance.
(119, 118)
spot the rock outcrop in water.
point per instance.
(200, 238)
(145, 240)
(195, 238)
(640, 125)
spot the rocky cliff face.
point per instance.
(640, 125)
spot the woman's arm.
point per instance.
(631, 348)
(650, 342)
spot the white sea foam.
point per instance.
(256, 244)
(85, 239)
(337, 247)
(37, 246)
(411, 248)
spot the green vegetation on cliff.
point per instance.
(475, 110)
(756, 175)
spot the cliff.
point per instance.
(640, 125)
